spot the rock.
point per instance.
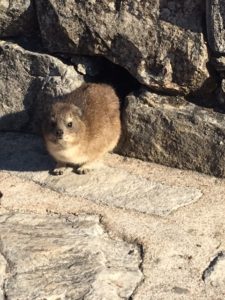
(17, 18)
(90, 66)
(25, 156)
(3, 267)
(28, 81)
(214, 277)
(170, 131)
(159, 42)
(215, 25)
(219, 63)
(50, 257)
(221, 94)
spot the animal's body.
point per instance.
(82, 126)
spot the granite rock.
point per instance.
(29, 82)
(216, 25)
(171, 131)
(159, 42)
(17, 18)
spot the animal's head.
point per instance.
(63, 124)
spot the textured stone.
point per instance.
(158, 42)
(87, 66)
(214, 276)
(116, 188)
(216, 25)
(219, 64)
(65, 258)
(27, 78)
(221, 93)
(173, 132)
(176, 249)
(3, 267)
(17, 18)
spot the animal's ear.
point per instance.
(77, 111)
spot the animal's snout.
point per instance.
(59, 133)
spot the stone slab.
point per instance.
(182, 244)
(25, 156)
(51, 257)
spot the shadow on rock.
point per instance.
(23, 152)
(187, 15)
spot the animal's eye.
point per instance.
(70, 124)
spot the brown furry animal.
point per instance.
(82, 127)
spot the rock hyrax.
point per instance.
(82, 126)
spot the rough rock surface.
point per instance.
(174, 132)
(159, 42)
(216, 25)
(17, 18)
(48, 257)
(28, 81)
(178, 250)
(116, 188)
(214, 276)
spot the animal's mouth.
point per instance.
(59, 138)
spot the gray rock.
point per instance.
(219, 63)
(49, 257)
(28, 81)
(173, 132)
(17, 18)
(3, 268)
(86, 65)
(25, 156)
(215, 25)
(159, 42)
(221, 93)
(214, 276)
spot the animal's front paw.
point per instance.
(83, 170)
(56, 172)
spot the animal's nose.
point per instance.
(59, 132)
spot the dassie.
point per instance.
(82, 126)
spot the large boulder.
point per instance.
(17, 18)
(174, 132)
(159, 42)
(216, 25)
(28, 81)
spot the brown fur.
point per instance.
(93, 110)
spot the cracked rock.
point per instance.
(28, 83)
(17, 18)
(214, 276)
(65, 258)
(159, 42)
(173, 132)
(215, 25)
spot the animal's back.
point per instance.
(99, 105)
